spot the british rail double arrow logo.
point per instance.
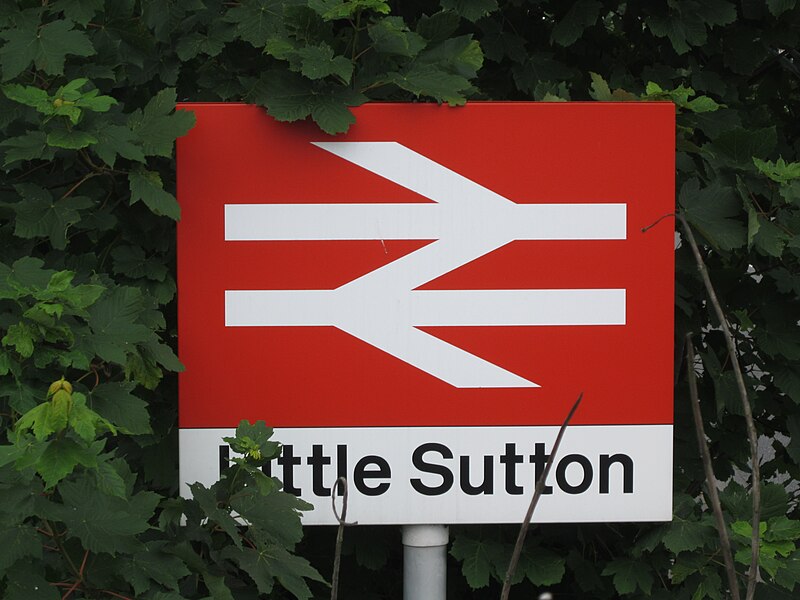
(383, 307)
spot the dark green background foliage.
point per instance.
(88, 477)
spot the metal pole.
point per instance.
(425, 562)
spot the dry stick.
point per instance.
(752, 435)
(341, 483)
(537, 492)
(711, 479)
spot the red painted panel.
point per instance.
(530, 153)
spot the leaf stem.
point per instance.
(80, 182)
(57, 539)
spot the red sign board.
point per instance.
(378, 296)
(318, 375)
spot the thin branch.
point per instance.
(71, 589)
(537, 492)
(657, 221)
(752, 434)
(57, 539)
(115, 595)
(708, 468)
(341, 484)
(85, 178)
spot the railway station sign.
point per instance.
(416, 305)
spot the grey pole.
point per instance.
(425, 562)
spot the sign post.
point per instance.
(415, 305)
(425, 562)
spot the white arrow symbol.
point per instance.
(382, 307)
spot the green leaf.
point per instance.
(80, 11)
(739, 145)
(159, 124)
(42, 216)
(439, 26)
(472, 10)
(113, 321)
(84, 421)
(391, 35)
(710, 586)
(460, 55)
(497, 43)
(254, 440)
(115, 402)
(702, 104)
(778, 7)
(207, 500)
(162, 354)
(217, 588)
(343, 9)
(77, 297)
(132, 262)
(476, 556)
(147, 186)
(26, 581)
(266, 564)
(29, 95)
(108, 479)
(46, 46)
(711, 210)
(332, 115)
(61, 457)
(744, 529)
(292, 571)
(782, 528)
(211, 43)
(689, 26)
(290, 97)
(318, 62)
(256, 20)
(684, 535)
(430, 80)
(769, 239)
(275, 515)
(104, 523)
(287, 96)
(726, 392)
(153, 564)
(544, 567)
(31, 146)
(788, 575)
(778, 337)
(21, 337)
(788, 381)
(582, 14)
(779, 171)
(716, 12)
(20, 540)
(70, 139)
(116, 140)
(599, 90)
(630, 574)
(774, 500)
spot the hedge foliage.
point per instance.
(88, 493)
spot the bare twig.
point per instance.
(537, 492)
(711, 479)
(85, 178)
(341, 483)
(657, 221)
(752, 434)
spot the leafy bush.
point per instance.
(88, 481)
